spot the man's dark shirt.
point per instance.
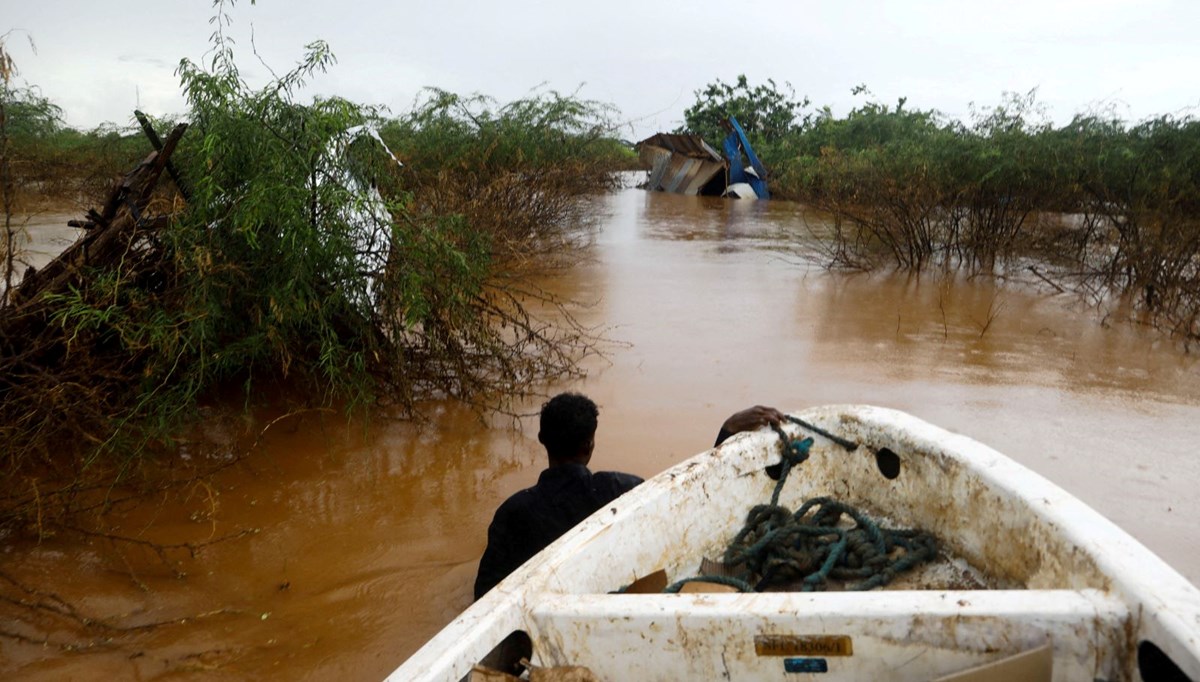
(533, 518)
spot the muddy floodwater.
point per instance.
(368, 538)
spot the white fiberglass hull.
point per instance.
(1107, 607)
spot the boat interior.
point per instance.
(1021, 567)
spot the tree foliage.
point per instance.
(767, 112)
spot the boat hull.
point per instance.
(1068, 578)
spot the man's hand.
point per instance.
(751, 419)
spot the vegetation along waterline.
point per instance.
(357, 260)
(305, 256)
(1098, 205)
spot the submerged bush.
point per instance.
(1136, 204)
(515, 171)
(1114, 208)
(306, 257)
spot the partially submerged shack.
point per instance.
(686, 164)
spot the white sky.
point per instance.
(100, 60)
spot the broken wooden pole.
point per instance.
(110, 237)
(157, 142)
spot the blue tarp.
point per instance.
(735, 144)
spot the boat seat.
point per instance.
(893, 635)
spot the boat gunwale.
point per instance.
(1166, 605)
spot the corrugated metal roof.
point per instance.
(687, 145)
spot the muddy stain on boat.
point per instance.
(368, 538)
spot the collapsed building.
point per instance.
(686, 164)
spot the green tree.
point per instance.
(767, 112)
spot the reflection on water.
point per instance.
(370, 537)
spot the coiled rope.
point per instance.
(804, 550)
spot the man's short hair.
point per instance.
(568, 422)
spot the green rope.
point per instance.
(777, 548)
(741, 585)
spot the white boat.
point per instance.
(1084, 597)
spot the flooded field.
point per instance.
(367, 538)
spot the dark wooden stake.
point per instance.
(158, 145)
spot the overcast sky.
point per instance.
(100, 60)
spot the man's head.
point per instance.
(568, 428)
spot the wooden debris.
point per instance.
(114, 232)
(561, 673)
(152, 135)
(564, 673)
(49, 368)
(482, 674)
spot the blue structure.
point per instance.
(735, 144)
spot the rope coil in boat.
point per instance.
(804, 550)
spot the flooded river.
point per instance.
(369, 537)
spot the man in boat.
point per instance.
(567, 492)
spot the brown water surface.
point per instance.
(369, 537)
(41, 237)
